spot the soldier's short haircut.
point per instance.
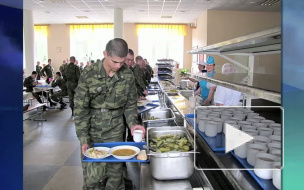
(138, 58)
(49, 60)
(117, 47)
(34, 73)
(131, 52)
(72, 57)
(58, 73)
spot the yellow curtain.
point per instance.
(91, 28)
(171, 29)
(42, 30)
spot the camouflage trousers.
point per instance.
(102, 175)
(58, 96)
(71, 85)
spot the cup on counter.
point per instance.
(219, 124)
(275, 125)
(274, 146)
(228, 122)
(264, 164)
(275, 138)
(263, 131)
(276, 175)
(235, 119)
(137, 135)
(261, 140)
(267, 122)
(211, 128)
(241, 123)
(260, 118)
(252, 150)
(241, 151)
(259, 125)
(202, 123)
(251, 115)
(252, 120)
(251, 132)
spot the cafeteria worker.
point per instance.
(206, 89)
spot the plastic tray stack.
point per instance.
(165, 69)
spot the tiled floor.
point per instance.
(51, 154)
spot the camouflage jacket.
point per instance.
(48, 71)
(59, 82)
(29, 84)
(81, 69)
(150, 70)
(38, 70)
(62, 67)
(71, 73)
(147, 76)
(139, 77)
(101, 102)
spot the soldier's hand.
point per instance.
(138, 127)
(146, 92)
(84, 147)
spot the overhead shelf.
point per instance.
(252, 91)
(267, 41)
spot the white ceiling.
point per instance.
(134, 11)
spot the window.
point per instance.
(89, 41)
(41, 44)
(161, 41)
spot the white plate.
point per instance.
(87, 154)
(124, 147)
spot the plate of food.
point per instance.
(124, 152)
(98, 152)
(143, 102)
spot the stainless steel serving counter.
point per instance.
(213, 179)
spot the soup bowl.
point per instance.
(124, 152)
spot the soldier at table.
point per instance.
(38, 70)
(71, 76)
(30, 82)
(58, 97)
(48, 71)
(105, 93)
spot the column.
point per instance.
(118, 23)
(28, 51)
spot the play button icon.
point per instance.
(235, 138)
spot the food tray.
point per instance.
(140, 145)
(263, 183)
(217, 143)
(149, 106)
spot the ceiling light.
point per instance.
(269, 2)
(166, 17)
(82, 17)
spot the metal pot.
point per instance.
(170, 165)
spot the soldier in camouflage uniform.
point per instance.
(71, 75)
(38, 70)
(48, 71)
(139, 77)
(62, 67)
(105, 93)
(149, 68)
(57, 97)
(81, 67)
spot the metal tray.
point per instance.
(166, 116)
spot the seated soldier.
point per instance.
(30, 82)
(57, 97)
